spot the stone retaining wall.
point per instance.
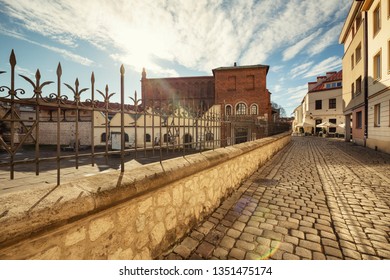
(135, 215)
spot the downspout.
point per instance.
(365, 77)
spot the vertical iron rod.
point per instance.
(122, 71)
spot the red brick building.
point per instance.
(241, 91)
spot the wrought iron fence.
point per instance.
(93, 129)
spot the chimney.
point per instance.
(321, 79)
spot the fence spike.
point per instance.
(122, 70)
(38, 75)
(77, 82)
(59, 70)
(12, 58)
(93, 77)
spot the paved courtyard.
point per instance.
(316, 199)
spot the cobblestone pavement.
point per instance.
(316, 199)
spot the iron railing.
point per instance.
(94, 129)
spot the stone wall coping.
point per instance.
(41, 208)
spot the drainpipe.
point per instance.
(365, 77)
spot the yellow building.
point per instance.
(378, 58)
(354, 91)
(366, 67)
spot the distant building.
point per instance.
(322, 104)
(240, 91)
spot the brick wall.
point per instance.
(243, 84)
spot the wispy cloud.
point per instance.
(196, 34)
(329, 64)
(292, 51)
(63, 52)
(301, 69)
(327, 39)
(297, 93)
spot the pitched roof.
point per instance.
(337, 76)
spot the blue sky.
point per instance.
(170, 38)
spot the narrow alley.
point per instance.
(316, 199)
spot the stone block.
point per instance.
(100, 226)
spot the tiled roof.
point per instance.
(337, 76)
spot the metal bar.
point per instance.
(153, 136)
(122, 71)
(37, 118)
(59, 73)
(144, 109)
(77, 124)
(135, 123)
(161, 138)
(93, 119)
(12, 61)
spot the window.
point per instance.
(228, 110)
(377, 66)
(358, 20)
(232, 83)
(148, 138)
(103, 137)
(318, 104)
(352, 61)
(359, 120)
(388, 54)
(358, 53)
(332, 129)
(358, 86)
(353, 90)
(254, 109)
(332, 103)
(377, 115)
(250, 82)
(377, 19)
(241, 109)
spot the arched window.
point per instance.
(241, 109)
(165, 137)
(126, 137)
(103, 137)
(254, 110)
(148, 138)
(228, 110)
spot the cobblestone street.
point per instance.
(316, 199)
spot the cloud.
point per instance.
(327, 39)
(329, 64)
(199, 35)
(63, 52)
(292, 51)
(300, 69)
(297, 93)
